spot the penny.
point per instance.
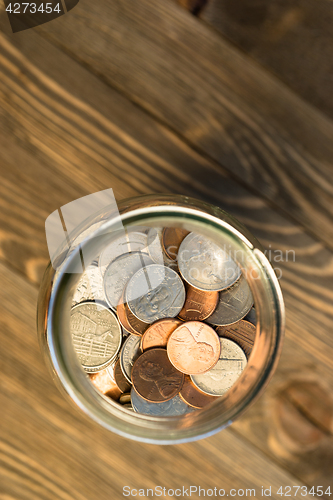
(155, 292)
(125, 398)
(119, 272)
(234, 303)
(193, 396)
(154, 378)
(138, 326)
(127, 243)
(172, 407)
(158, 333)
(243, 333)
(96, 335)
(251, 316)
(193, 347)
(90, 286)
(120, 379)
(104, 383)
(198, 304)
(225, 373)
(129, 354)
(122, 317)
(205, 265)
(171, 240)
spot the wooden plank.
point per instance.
(75, 135)
(215, 97)
(49, 450)
(293, 39)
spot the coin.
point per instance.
(243, 333)
(155, 378)
(205, 265)
(171, 240)
(155, 248)
(155, 292)
(193, 396)
(104, 383)
(119, 272)
(127, 243)
(225, 373)
(251, 316)
(122, 317)
(158, 333)
(96, 335)
(138, 326)
(125, 398)
(90, 286)
(120, 378)
(234, 303)
(198, 304)
(193, 347)
(129, 354)
(172, 407)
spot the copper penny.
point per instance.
(193, 396)
(154, 378)
(194, 347)
(120, 379)
(171, 240)
(243, 333)
(158, 333)
(104, 383)
(122, 317)
(199, 304)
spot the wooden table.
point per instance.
(145, 97)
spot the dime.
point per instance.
(251, 316)
(119, 272)
(205, 265)
(172, 407)
(243, 333)
(127, 243)
(104, 383)
(90, 286)
(129, 354)
(198, 304)
(125, 398)
(171, 240)
(193, 396)
(155, 292)
(193, 347)
(96, 335)
(158, 333)
(234, 303)
(120, 379)
(154, 378)
(224, 374)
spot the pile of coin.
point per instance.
(163, 321)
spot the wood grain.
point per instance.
(75, 135)
(63, 455)
(211, 94)
(292, 38)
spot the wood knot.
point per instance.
(304, 415)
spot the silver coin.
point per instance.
(129, 242)
(129, 354)
(155, 292)
(251, 316)
(96, 335)
(155, 249)
(119, 272)
(219, 379)
(173, 407)
(90, 286)
(234, 303)
(205, 265)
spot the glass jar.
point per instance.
(55, 300)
